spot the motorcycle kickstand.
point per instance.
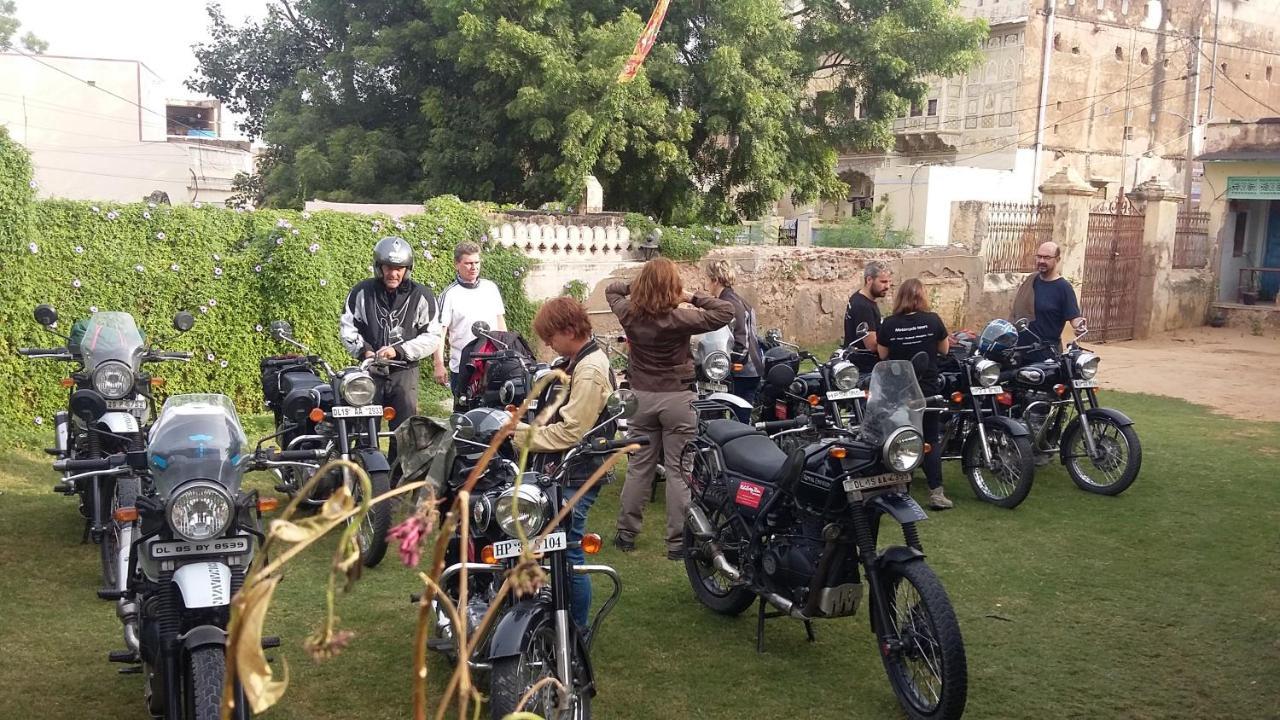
(760, 616)
(808, 631)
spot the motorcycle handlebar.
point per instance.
(772, 426)
(291, 455)
(162, 356)
(282, 362)
(42, 351)
(105, 463)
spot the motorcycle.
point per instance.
(192, 531)
(799, 532)
(534, 637)
(318, 408)
(110, 405)
(831, 394)
(498, 369)
(994, 450)
(1057, 400)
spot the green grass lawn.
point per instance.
(1161, 603)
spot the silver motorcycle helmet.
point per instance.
(394, 251)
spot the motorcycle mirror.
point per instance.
(1021, 324)
(780, 375)
(863, 327)
(622, 404)
(479, 328)
(183, 321)
(281, 329)
(920, 362)
(46, 315)
(462, 426)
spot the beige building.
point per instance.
(1120, 81)
(103, 130)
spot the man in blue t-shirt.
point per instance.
(1047, 299)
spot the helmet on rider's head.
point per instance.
(997, 336)
(393, 251)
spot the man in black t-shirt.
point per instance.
(1047, 299)
(876, 282)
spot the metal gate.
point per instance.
(1112, 257)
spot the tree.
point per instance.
(9, 25)
(516, 102)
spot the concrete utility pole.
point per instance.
(1213, 63)
(1050, 7)
(1193, 121)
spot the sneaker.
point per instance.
(623, 543)
(938, 500)
(677, 554)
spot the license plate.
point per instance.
(846, 394)
(346, 411)
(1085, 383)
(138, 404)
(993, 390)
(182, 548)
(854, 484)
(550, 543)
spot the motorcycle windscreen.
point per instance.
(197, 437)
(111, 336)
(894, 401)
(707, 343)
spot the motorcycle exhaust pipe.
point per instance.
(703, 531)
(127, 611)
(784, 605)
(61, 419)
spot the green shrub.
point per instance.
(866, 229)
(682, 244)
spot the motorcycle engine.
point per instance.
(791, 561)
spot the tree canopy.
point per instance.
(9, 25)
(739, 102)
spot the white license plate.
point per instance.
(1085, 383)
(138, 404)
(854, 484)
(846, 394)
(182, 548)
(550, 543)
(993, 390)
(345, 411)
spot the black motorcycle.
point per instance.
(110, 407)
(799, 532)
(534, 637)
(1056, 398)
(318, 408)
(994, 450)
(831, 394)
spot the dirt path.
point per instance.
(1225, 369)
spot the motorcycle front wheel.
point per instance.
(1006, 482)
(922, 650)
(513, 677)
(372, 533)
(1114, 467)
(206, 668)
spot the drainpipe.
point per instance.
(1046, 49)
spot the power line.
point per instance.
(1247, 94)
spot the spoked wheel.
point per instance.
(1006, 481)
(1114, 466)
(514, 676)
(712, 587)
(372, 533)
(923, 652)
(109, 543)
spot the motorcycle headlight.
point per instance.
(357, 389)
(987, 372)
(716, 366)
(1087, 364)
(530, 507)
(200, 511)
(904, 450)
(113, 379)
(845, 375)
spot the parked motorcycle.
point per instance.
(318, 408)
(110, 405)
(1057, 400)
(831, 395)
(192, 531)
(994, 450)
(799, 532)
(534, 637)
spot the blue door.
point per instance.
(1271, 255)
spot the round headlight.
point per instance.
(200, 511)
(845, 375)
(357, 389)
(716, 366)
(531, 508)
(904, 450)
(113, 379)
(987, 372)
(1087, 364)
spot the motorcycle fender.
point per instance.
(511, 637)
(897, 554)
(119, 422)
(1011, 427)
(204, 584)
(203, 636)
(372, 460)
(1111, 414)
(730, 399)
(899, 506)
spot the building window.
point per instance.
(916, 109)
(1237, 244)
(1119, 53)
(932, 109)
(1145, 57)
(1057, 42)
(1223, 67)
(1268, 73)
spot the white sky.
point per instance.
(159, 33)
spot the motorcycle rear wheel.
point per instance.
(513, 676)
(710, 586)
(1118, 460)
(925, 659)
(1008, 482)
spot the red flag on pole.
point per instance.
(645, 43)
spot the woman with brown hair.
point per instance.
(909, 330)
(661, 374)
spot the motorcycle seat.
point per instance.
(721, 432)
(756, 456)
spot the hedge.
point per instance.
(235, 270)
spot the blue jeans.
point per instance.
(580, 598)
(745, 388)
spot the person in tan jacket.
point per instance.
(662, 375)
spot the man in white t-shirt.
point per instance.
(467, 299)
